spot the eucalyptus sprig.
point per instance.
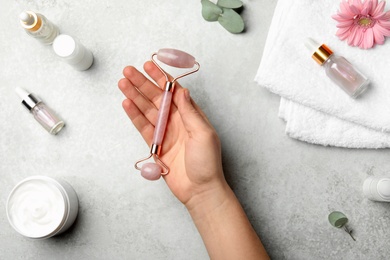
(224, 12)
(339, 220)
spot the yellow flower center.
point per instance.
(364, 21)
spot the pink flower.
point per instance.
(362, 24)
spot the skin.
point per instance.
(192, 150)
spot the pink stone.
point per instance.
(151, 171)
(162, 118)
(176, 58)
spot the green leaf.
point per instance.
(210, 11)
(229, 3)
(337, 219)
(231, 21)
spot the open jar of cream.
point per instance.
(40, 207)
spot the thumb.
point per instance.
(192, 119)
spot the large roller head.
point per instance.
(176, 58)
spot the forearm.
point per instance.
(224, 226)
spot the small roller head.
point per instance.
(151, 171)
(176, 58)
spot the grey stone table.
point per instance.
(286, 187)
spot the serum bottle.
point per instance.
(38, 26)
(41, 112)
(338, 69)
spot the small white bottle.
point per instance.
(39, 27)
(41, 112)
(338, 69)
(377, 188)
(73, 52)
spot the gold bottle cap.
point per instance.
(322, 54)
(30, 21)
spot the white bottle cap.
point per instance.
(22, 93)
(384, 188)
(312, 45)
(28, 99)
(26, 18)
(64, 46)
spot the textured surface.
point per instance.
(286, 187)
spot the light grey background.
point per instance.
(287, 187)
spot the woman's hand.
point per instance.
(192, 150)
(191, 147)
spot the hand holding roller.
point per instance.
(173, 58)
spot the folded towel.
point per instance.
(313, 126)
(288, 70)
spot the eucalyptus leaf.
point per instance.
(231, 21)
(229, 3)
(337, 219)
(210, 11)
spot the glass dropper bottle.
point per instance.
(338, 69)
(40, 111)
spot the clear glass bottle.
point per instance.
(41, 112)
(338, 69)
(38, 26)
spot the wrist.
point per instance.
(217, 195)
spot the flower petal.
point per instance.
(354, 9)
(379, 9)
(352, 35)
(340, 17)
(367, 7)
(384, 24)
(364, 11)
(345, 24)
(382, 30)
(345, 9)
(374, 5)
(379, 17)
(343, 33)
(378, 36)
(358, 4)
(368, 39)
(387, 16)
(358, 37)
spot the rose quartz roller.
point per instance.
(173, 58)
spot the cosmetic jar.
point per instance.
(377, 188)
(40, 207)
(73, 52)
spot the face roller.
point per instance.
(178, 59)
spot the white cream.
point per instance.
(38, 207)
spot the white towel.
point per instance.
(313, 126)
(288, 70)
